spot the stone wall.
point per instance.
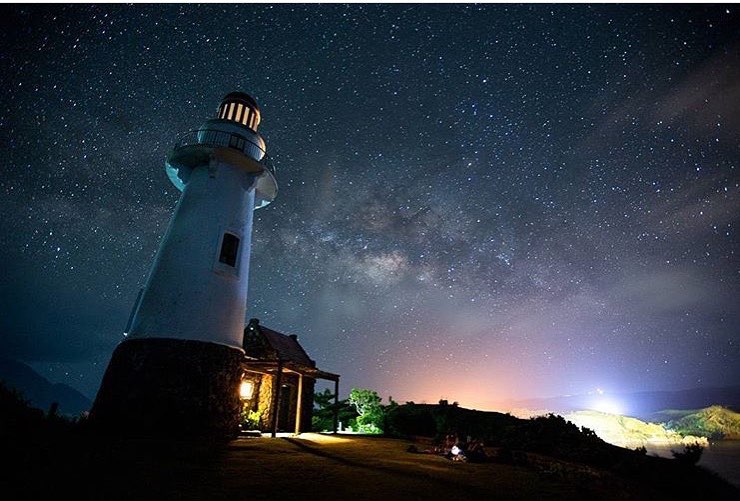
(265, 400)
(156, 386)
(264, 404)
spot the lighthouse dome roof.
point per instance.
(243, 97)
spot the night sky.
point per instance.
(476, 202)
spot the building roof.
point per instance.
(242, 97)
(263, 343)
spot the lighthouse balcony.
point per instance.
(196, 147)
(223, 139)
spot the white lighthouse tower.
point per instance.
(180, 363)
(197, 288)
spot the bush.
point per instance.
(370, 413)
(690, 456)
(250, 419)
(323, 412)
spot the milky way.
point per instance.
(476, 202)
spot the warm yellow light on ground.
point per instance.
(246, 389)
(317, 438)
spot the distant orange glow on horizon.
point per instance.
(469, 389)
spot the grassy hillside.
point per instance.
(542, 458)
(713, 422)
(578, 439)
(626, 431)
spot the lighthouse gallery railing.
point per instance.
(221, 139)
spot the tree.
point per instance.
(370, 411)
(323, 412)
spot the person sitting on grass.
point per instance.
(457, 454)
(475, 451)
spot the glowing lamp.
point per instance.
(246, 389)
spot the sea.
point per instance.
(721, 457)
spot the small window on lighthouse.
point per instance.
(229, 249)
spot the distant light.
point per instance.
(607, 406)
(246, 389)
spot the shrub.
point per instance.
(323, 412)
(690, 456)
(370, 413)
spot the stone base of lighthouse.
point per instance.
(156, 386)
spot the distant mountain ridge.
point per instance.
(39, 391)
(713, 422)
(625, 431)
(642, 404)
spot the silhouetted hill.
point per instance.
(551, 442)
(540, 458)
(641, 404)
(437, 420)
(39, 391)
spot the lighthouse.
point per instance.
(179, 364)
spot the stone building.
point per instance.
(278, 379)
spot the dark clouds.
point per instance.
(475, 201)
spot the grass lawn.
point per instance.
(312, 466)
